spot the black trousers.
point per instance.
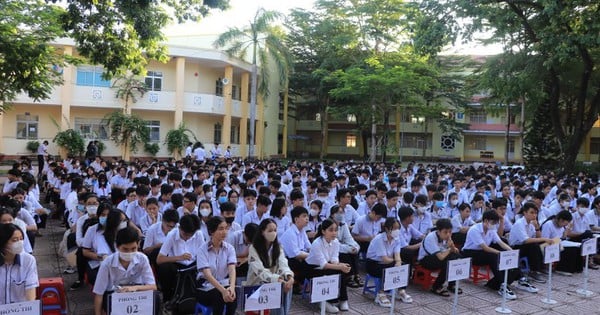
(352, 260)
(534, 255)
(570, 258)
(482, 258)
(432, 262)
(40, 159)
(81, 264)
(300, 269)
(214, 299)
(344, 279)
(375, 269)
(167, 278)
(459, 239)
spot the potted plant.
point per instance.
(71, 141)
(127, 131)
(152, 148)
(178, 139)
(32, 146)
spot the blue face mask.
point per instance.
(439, 204)
(223, 199)
(102, 220)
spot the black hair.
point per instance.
(379, 209)
(296, 194)
(142, 190)
(170, 216)
(112, 227)
(213, 224)
(490, 215)
(263, 200)
(405, 212)
(443, 224)
(564, 215)
(189, 223)
(277, 207)
(250, 231)
(228, 206)
(324, 226)
(463, 206)
(389, 224)
(296, 212)
(6, 233)
(126, 236)
(151, 201)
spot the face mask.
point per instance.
(223, 199)
(339, 217)
(528, 198)
(92, 210)
(439, 204)
(122, 225)
(229, 220)
(102, 221)
(583, 211)
(403, 190)
(454, 202)
(313, 213)
(208, 195)
(16, 248)
(205, 212)
(127, 256)
(395, 234)
(270, 236)
(421, 209)
(565, 204)
(80, 208)
(493, 227)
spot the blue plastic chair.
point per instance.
(373, 289)
(524, 265)
(204, 310)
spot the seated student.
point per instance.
(228, 212)
(452, 205)
(260, 213)
(504, 225)
(17, 268)
(343, 198)
(267, 263)
(323, 259)
(422, 219)
(249, 197)
(384, 252)
(152, 215)
(582, 222)
(526, 236)
(368, 226)
(189, 204)
(279, 214)
(478, 208)
(177, 252)
(483, 245)
(241, 240)
(435, 252)
(411, 235)
(205, 212)
(370, 200)
(348, 246)
(99, 239)
(438, 207)
(8, 216)
(461, 224)
(156, 233)
(216, 269)
(296, 245)
(130, 197)
(556, 227)
(314, 218)
(127, 270)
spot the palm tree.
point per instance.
(129, 87)
(265, 42)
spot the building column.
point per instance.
(227, 102)
(66, 91)
(245, 112)
(285, 121)
(2, 132)
(260, 126)
(179, 91)
(586, 146)
(397, 133)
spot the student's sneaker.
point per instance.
(537, 277)
(524, 285)
(382, 300)
(70, 270)
(344, 306)
(76, 285)
(564, 273)
(330, 308)
(404, 297)
(510, 295)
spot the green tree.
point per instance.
(127, 131)
(71, 141)
(129, 88)
(177, 140)
(266, 44)
(562, 38)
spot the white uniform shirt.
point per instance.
(217, 260)
(423, 222)
(380, 247)
(94, 241)
(550, 230)
(432, 245)
(476, 237)
(364, 226)
(154, 235)
(15, 279)
(520, 232)
(458, 223)
(252, 217)
(294, 241)
(322, 252)
(409, 233)
(112, 274)
(174, 245)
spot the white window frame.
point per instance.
(27, 122)
(154, 126)
(154, 80)
(96, 129)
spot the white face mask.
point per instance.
(16, 247)
(127, 256)
(205, 212)
(493, 227)
(583, 211)
(403, 190)
(565, 204)
(122, 225)
(270, 236)
(208, 195)
(340, 217)
(421, 209)
(454, 202)
(395, 234)
(313, 213)
(91, 210)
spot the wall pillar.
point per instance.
(397, 133)
(227, 102)
(66, 97)
(2, 132)
(285, 121)
(260, 127)
(179, 91)
(586, 147)
(245, 112)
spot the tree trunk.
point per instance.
(386, 133)
(324, 130)
(373, 133)
(507, 134)
(253, 95)
(363, 135)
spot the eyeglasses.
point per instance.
(186, 201)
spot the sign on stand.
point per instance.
(589, 247)
(551, 254)
(459, 269)
(132, 303)
(395, 277)
(325, 288)
(509, 260)
(22, 308)
(264, 297)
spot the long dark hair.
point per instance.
(276, 208)
(324, 226)
(6, 233)
(112, 226)
(260, 244)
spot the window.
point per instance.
(416, 141)
(27, 127)
(478, 117)
(350, 141)
(91, 128)
(236, 92)
(219, 87)
(154, 80)
(154, 126)
(351, 118)
(235, 134)
(511, 146)
(477, 143)
(91, 76)
(595, 146)
(217, 133)
(417, 119)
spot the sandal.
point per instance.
(441, 292)
(451, 290)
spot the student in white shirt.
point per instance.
(384, 252)
(582, 225)
(216, 270)
(178, 251)
(370, 200)
(18, 270)
(349, 248)
(157, 233)
(556, 227)
(99, 239)
(279, 214)
(152, 215)
(461, 223)
(323, 259)
(435, 253)
(438, 207)
(127, 270)
(7, 216)
(260, 213)
(422, 219)
(411, 235)
(228, 211)
(314, 218)
(368, 226)
(296, 245)
(241, 240)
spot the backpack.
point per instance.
(184, 299)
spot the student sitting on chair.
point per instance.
(127, 270)
(296, 245)
(461, 223)
(435, 252)
(582, 223)
(556, 227)
(156, 234)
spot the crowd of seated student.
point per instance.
(267, 222)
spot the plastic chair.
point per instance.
(524, 265)
(306, 289)
(373, 289)
(423, 277)
(202, 310)
(477, 274)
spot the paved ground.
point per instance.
(475, 300)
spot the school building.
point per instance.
(199, 86)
